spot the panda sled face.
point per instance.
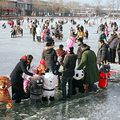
(79, 74)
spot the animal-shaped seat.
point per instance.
(49, 84)
(5, 83)
(79, 74)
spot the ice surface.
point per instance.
(101, 106)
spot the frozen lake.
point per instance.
(102, 106)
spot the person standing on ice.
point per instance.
(17, 79)
(103, 36)
(118, 48)
(50, 56)
(113, 42)
(80, 34)
(34, 31)
(71, 41)
(89, 64)
(38, 33)
(102, 54)
(69, 64)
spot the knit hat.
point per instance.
(43, 62)
(24, 57)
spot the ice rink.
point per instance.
(102, 106)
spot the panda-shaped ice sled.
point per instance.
(49, 85)
(78, 81)
(79, 74)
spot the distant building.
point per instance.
(17, 8)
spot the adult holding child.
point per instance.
(16, 77)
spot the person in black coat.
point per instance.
(50, 56)
(16, 77)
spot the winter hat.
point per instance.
(43, 62)
(24, 57)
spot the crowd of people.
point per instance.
(61, 63)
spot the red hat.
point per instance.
(43, 62)
(24, 57)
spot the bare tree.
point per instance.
(117, 5)
(111, 6)
(39, 5)
(97, 4)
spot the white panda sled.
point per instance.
(49, 85)
(78, 82)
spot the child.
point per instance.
(71, 41)
(41, 68)
(26, 82)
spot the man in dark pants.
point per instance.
(34, 31)
(69, 64)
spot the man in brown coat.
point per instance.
(69, 64)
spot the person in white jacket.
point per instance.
(38, 33)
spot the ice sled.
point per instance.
(49, 85)
(5, 97)
(79, 74)
(104, 75)
(36, 86)
(103, 81)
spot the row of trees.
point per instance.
(3, 4)
(58, 6)
(111, 5)
(61, 7)
(54, 6)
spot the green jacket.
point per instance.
(89, 64)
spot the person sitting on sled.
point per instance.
(41, 68)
